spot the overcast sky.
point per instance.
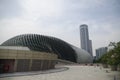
(61, 19)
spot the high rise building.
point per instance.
(100, 52)
(90, 47)
(86, 44)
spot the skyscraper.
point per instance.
(86, 44)
(90, 47)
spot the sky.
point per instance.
(61, 19)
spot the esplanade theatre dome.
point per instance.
(51, 45)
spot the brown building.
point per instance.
(18, 59)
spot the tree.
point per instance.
(104, 60)
(112, 57)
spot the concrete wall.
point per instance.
(19, 54)
(26, 60)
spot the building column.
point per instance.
(30, 65)
(15, 65)
(42, 62)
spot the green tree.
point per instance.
(112, 57)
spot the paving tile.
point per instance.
(73, 73)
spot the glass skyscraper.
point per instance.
(86, 44)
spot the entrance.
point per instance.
(6, 65)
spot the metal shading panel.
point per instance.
(42, 43)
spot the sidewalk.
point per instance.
(73, 73)
(58, 69)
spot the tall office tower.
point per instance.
(90, 47)
(86, 44)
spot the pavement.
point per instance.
(57, 69)
(75, 72)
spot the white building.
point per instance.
(86, 44)
(100, 52)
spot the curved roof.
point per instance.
(49, 44)
(43, 43)
(82, 55)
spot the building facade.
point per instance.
(90, 47)
(20, 59)
(100, 52)
(31, 52)
(86, 44)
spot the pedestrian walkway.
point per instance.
(57, 69)
(75, 72)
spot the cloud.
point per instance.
(40, 9)
(9, 8)
(61, 19)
